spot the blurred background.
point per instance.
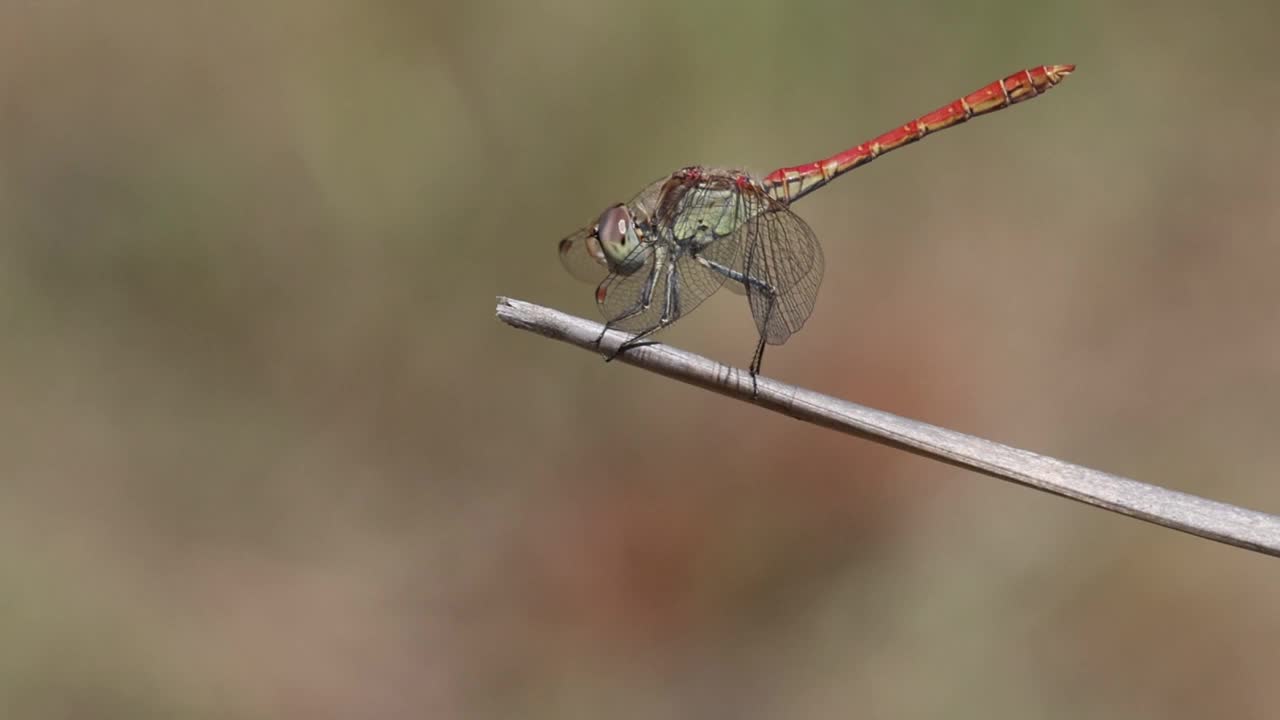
(265, 452)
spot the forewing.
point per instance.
(735, 287)
(644, 202)
(780, 251)
(634, 302)
(580, 254)
(657, 293)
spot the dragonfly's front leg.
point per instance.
(670, 312)
(663, 265)
(641, 305)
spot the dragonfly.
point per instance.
(656, 257)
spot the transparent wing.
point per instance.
(660, 292)
(580, 253)
(581, 256)
(736, 287)
(644, 202)
(696, 283)
(782, 262)
(634, 302)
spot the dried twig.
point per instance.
(1225, 523)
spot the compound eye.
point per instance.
(616, 233)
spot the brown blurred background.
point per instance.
(265, 453)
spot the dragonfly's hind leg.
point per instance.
(750, 283)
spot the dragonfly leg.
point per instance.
(736, 276)
(670, 310)
(640, 306)
(760, 286)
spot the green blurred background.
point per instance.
(265, 453)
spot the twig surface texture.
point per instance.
(1210, 519)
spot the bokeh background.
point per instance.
(265, 453)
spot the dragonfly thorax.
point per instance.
(704, 211)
